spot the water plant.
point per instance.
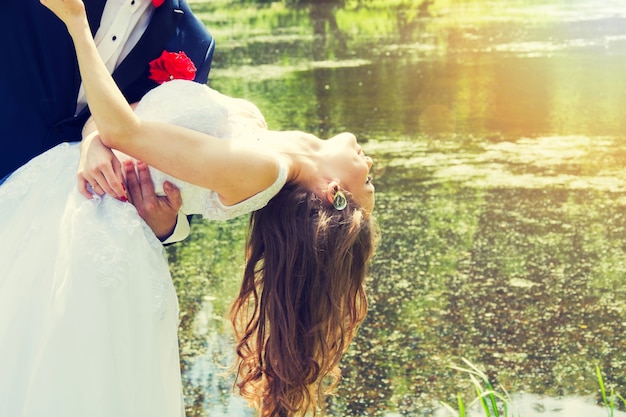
(608, 401)
(493, 403)
(496, 404)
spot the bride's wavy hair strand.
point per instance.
(301, 300)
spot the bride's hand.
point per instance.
(100, 169)
(71, 12)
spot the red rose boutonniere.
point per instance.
(158, 3)
(172, 65)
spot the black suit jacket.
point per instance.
(39, 79)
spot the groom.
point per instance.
(40, 84)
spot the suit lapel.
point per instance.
(162, 27)
(94, 13)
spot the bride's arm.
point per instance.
(234, 169)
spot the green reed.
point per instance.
(608, 401)
(496, 403)
(493, 403)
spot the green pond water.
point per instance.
(497, 130)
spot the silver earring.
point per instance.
(339, 201)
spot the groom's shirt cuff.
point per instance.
(181, 230)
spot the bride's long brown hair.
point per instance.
(301, 300)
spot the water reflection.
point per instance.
(497, 133)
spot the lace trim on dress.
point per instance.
(215, 209)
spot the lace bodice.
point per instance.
(198, 107)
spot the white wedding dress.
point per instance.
(88, 312)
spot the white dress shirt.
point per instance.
(122, 24)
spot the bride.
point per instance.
(88, 312)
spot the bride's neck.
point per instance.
(303, 152)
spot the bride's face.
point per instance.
(348, 163)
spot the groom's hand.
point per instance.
(159, 212)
